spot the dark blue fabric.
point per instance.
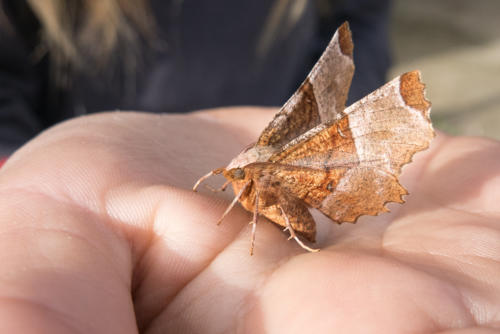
(209, 58)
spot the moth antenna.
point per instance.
(294, 236)
(206, 176)
(254, 221)
(234, 202)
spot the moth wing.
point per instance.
(343, 194)
(383, 130)
(320, 98)
(353, 163)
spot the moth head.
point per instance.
(234, 174)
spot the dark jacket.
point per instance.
(209, 59)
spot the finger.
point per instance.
(62, 269)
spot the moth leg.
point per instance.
(222, 188)
(254, 220)
(293, 235)
(234, 201)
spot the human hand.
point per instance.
(101, 233)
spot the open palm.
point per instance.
(100, 233)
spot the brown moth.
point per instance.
(316, 153)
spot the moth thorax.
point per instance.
(251, 155)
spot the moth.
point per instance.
(316, 153)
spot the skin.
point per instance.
(100, 233)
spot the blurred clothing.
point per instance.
(214, 53)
